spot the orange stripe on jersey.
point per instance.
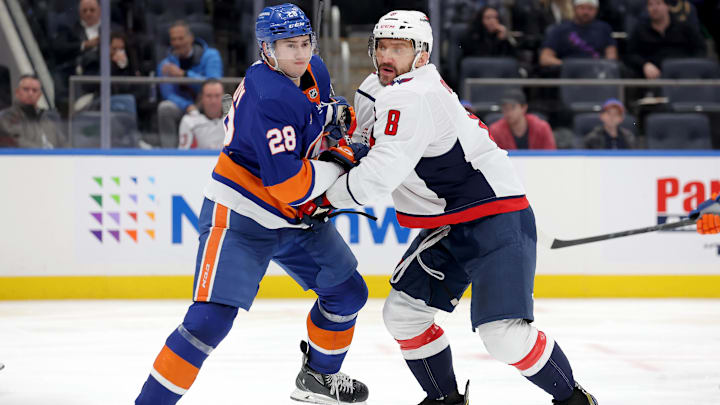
(296, 187)
(328, 339)
(212, 250)
(239, 175)
(175, 369)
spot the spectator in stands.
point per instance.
(533, 17)
(77, 46)
(557, 11)
(519, 130)
(486, 36)
(659, 37)
(203, 128)
(25, 125)
(187, 57)
(610, 135)
(583, 37)
(684, 11)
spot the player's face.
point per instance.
(293, 55)
(28, 91)
(212, 100)
(394, 57)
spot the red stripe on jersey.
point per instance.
(478, 211)
(430, 335)
(534, 355)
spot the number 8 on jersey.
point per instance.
(392, 122)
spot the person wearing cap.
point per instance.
(660, 37)
(610, 135)
(519, 130)
(583, 37)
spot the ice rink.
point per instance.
(658, 352)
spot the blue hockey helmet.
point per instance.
(280, 22)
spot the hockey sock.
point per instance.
(329, 340)
(331, 323)
(435, 374)
(187, 347)
(551, 373)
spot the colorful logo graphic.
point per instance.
(124, 209)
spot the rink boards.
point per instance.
(90, 224)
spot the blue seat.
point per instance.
(677, 131)
(692, 98)
(586, 98)
(487, 98)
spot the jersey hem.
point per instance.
(483, 210)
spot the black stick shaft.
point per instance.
(559, 243)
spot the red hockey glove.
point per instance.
(315, 211)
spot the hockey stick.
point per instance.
(553, 243)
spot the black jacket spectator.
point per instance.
(648, 45)
(486, 36)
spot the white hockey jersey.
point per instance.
(197, 131)
(438, 161)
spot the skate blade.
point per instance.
(311, 398)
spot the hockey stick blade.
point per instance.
(554, 243)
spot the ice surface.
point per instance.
(99, 353)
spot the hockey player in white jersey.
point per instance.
(450, 179)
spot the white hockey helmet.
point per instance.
(403, 24)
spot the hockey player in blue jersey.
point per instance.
(448, 178)
(252, 214)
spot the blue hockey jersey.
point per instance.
(273, 130)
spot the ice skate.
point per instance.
(579, 397)
(453, 399)
(317, 388)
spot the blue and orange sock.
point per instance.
(185, 350)
(329, 337)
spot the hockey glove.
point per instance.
(347, 156)
(708, 216)
(340, 119)
(315, 211)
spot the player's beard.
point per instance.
(386, 77)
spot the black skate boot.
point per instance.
(453, 399)
(330, 389)
(579, 397)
